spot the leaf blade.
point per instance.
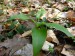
(59, 27)
(38, 39)
(19, 16)
(40, 13)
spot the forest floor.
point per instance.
(15, 35)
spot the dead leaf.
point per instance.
(25, 10)
(59, 48)
(71, 15)
(68, 50)
(52, 37)
(41, 54)
(71, 31)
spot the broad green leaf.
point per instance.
(40, 13)
(20, 16)
(59, 27)
(39, 24)
(38, 39)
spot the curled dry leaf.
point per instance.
(51, 37)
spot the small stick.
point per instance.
(26, 33)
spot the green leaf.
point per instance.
(20, 29)
(51, 50)
(69, 0)
(20, 16)
(59, 27)
(13, 24)
(38, 39)
(39, 24)
(1, 12)
(40, 13)
(66, 9)
(2, 38)
(10, 34)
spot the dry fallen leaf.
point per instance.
(2, 51)
(52, 13)
(59, 48)
(71, 31)
(25, 10)
(71, 15)
(60, 7)
(68, 50)
(51, 37)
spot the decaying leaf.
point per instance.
(60, 7)
(70, 15)
(26, 50)
(68, 50)
(16, 42)
(51, 37)
(59, 48)
(71, 31)
(25, 10)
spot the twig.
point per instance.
(26, 33)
